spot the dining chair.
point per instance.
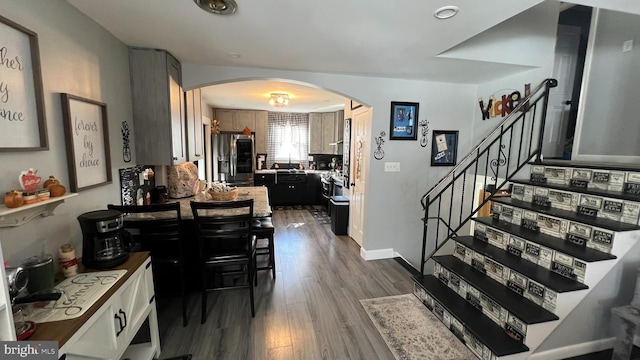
(157, 229)
(227, 247)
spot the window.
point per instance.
(288, 137)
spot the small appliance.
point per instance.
(105, 244)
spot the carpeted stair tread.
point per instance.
(523, 308)
(581, 252)
(489, 333)
(590, 191)
(548, 278)
(569, 215)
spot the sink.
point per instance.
(290, 171)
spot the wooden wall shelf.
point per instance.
(23, 214)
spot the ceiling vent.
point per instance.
(221, 7)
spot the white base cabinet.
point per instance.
(109, 332)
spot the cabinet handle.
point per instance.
(119, 322)
(124, 314)
(175, 158)
(197, 155)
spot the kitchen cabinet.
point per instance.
(325, 132)
(236, 120)
(193, 115)
(158, 107)
(109, 332)
(267, 180)
(262, 132)
(314, 189)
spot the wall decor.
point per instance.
(505, 104)
(379, 153)
(403, 118)
(355, 105)
(87, 136)
(126, 149)
(21, 98)
(424, 130)
(444, 148)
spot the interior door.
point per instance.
(361, 127)
(564, 70)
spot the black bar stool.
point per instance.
(263, 229)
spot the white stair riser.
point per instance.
(576, 232)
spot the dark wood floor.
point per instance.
(311, 311)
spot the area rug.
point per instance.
(411, 331)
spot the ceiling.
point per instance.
(330, 36)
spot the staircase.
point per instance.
(506, 288)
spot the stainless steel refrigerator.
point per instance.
(233, 158)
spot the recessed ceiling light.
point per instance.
(221, 7)
(446, 12)
(234, 55)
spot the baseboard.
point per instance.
(377, 254)
(574, 350)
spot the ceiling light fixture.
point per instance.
(446, 12)
(279, 99)
(221, 7)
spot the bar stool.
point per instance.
(263, 229)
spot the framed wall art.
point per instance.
(21, 98)
(403, 121)
(87, 136)
(444, 148)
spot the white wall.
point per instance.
(609, 102)
(80, 58)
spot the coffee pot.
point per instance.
(105, 244)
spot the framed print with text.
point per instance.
(444, 148)
(87, 136)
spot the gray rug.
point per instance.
(411, 331)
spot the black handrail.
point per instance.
(524, 120)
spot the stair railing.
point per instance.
(516, 140)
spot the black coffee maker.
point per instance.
(105, 244)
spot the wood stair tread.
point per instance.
(489, 333)
(596, 192)
(561, 245)
(523, 308)
(548, 278)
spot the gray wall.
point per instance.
(80, 58)
(611, 91)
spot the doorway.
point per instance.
(570, 54)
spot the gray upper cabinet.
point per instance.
(236, 120)
(193, 115)
(262, 132)
(325, 132)
(158, 107)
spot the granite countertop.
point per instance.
(273, 171)
(259, 194)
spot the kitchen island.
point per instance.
(259, 194)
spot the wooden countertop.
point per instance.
(62, 331)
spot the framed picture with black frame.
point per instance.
(403, 121)
(444, 148)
